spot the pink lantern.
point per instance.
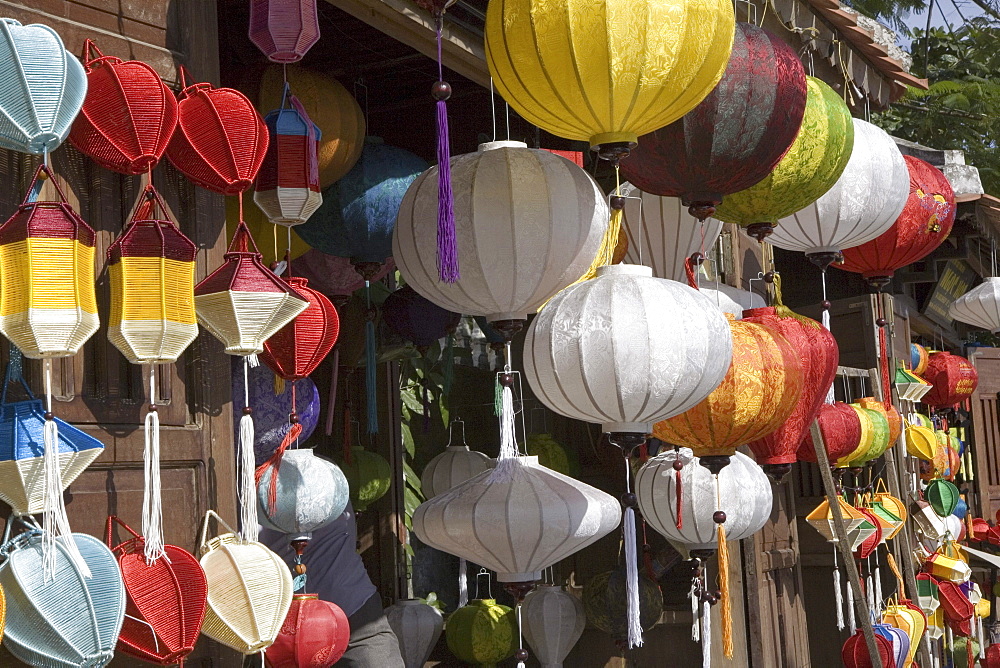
(284, 30)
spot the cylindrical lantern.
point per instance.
(596, 352)
(510, 270)
(841, 428)
(416, 318)
(284, 30)
(855, 654)
(605, 602)
(417, 627)
(314, 635)
(517, 525)
(271, 411)
(309, 493)
(44, 88)
(953, 378)
(287, 189)
(368, 476)
(295, 350)
(451, 468)
(553, 620)
(111, 130)
(483, 632)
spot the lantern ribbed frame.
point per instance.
(287, 189)
(128, 117)
(311, 492)
(43, 88)
(295, 350)
(416, 318)
(553, 622)
(418, 627)
(841, 428)
(249, 590)
(284, 30)
(314, 635)
(451, 468)
(954, 379)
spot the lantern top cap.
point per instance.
(625, 270)
(305, 597)
(303, 453)
(492, 145)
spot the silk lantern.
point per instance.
(302, 494)
(452, 467)
(335, 276)
(953, 379)
(876, 438)
(368, 474)
(918, 358)
(287, 189)
(417, 626)
(295, 350)
(841, 428)
(482, 633)
(110, 129)
(314, 635)
(894, 420)
(736, 135)
(924, 223)
(271, 411)
(920, 442)
(812, 165)
(44, 88)
(549, 60)
(554, 620)
(284, 30)
(605, 603)
(416, 318)
(733, 301)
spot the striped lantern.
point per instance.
(553, 622)
(892, 416)
(284, 30)
(451, 468)
(733, 301)
(910, 620)
(314, 635)
(295, 350)
(43, 90)
(953, 378)
(841, 428)
(417, 626)
(287, 188)
(129, 114)
(48, 306)
(918, 358)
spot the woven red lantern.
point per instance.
(314, 635)
(128, 116)
(953, 377)
(925, 222)
(980, 528)
(284, 30)
(294, 351)
(165, 600)
(841, 428)
(957, 607)
(220, 141)
(855, 654)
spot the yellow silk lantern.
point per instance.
(866, 441)
(607, 72)
(920, 442)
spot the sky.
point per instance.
(955, 12)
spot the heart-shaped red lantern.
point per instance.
(165, 600)
(314, 635)
(855, 654)
(953, 377)
(841, 428)
(296, 349)
(220, 141)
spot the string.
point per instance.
(152, 505)
(493, 109)
(507, 114)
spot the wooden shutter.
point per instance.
(986, 430)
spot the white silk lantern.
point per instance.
(527, 224)
(625, 349)
(979, 307)
(732, 300)
(309, 493)
(553, 623)
(417, 627)
(452, 467)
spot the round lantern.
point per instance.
(220, 141)
(553, 620)
(48, 307)
(166, 600)
(549, 60)
(110, 130)
(552, 454)
(841, 428)
(861, 205)
(416, 318)
(961, 509)
(308, 493)
(271, 411)
(451, 468)
(596, 352)
(368, 476)
(335, 276)
(920, 442)
(287, 189)
(737, 135)
(894, 420)
(44, 88)
(953, 378)
(682, 511)
(855, 654)
(417, 627)
(992, 659)
(482, 633)
(876, 436)
(314, 635)
(510, 270)
(295, 350)
(943, 497)
(924, 223)
(918, 358)
(960, 649)
(605, 602)
(732, 300)
(284, 30)
(813, 163)
(517, 525)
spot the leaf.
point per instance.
(410, 501)
(412, 402)
(408, 444)
(412, 479)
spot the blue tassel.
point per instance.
(370, 378)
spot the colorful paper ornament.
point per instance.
(910, 386)
(953, 378)
(274, 246)
(841, 428)
(482, 633)
(284, 30)
(416, 318)
(271, 411)
(912, 621)
(302, 494)
(918, 358)
(821, 519)
(110, 129)
(368, 476)
(314, 635)
(295, 350)
(417, 626)
(605, 602)
(870, 542)
(554, 620)
(899, 640)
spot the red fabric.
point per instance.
(576, 157)
(818, 356)
(314, 635)
(242, 270)
(297, 349)
(855, 654)
(48, 220)
(980, 528)
(958, 610)
(840, 425)
(992, 659)
(953, 377)
(925, 222)
(284, 30)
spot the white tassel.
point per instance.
(248, 486)
(979, 632)
(152, 504)
(504, 469)
(253, 360)
(695, 611)
(851, 621)
(839, 599)
(632, 581)
(463, 583)
(870, 593)
(706, 635)
(878, 592)
(830, 394)
(520, 637)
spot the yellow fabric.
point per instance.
(44, 273)
(151, 288)
(607, 71)
(920, 442)
(867, 438)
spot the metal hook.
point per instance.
(489, 583)
(451, 428)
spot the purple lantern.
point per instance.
(284, 30)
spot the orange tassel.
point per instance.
(726, 610)
(275, 463)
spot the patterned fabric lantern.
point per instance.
(416, 318)
(855, 654)
(554, 620)
(417, 627)
(220, 141)
(992, 659)
(943, 497)
(918, 358)
(334, 275)
(924, 223)
(604, 601)
(109, 130)
(166, 600)
(811, 166)
(483, 632)
(841, 429)
(953, 377)
(451, 468)
(893, 419)
(284, 30)
(368, 476)
(301, 495)
(287, 188)
(314, 635)
(295, 350)
(549, 60)
(44, 88)
(271, 411)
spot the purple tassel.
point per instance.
(447, 250)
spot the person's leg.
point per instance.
(373, 644)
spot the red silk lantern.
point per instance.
(128, 116)
(284, 30)
(220, 141)
(295, 350)
(841, 428)
(818, 356)
(314, 635)
(925, 222)
(992, 659)
(855, 654)
(957, 607)
(165, 602)
(953, 377)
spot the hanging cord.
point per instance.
(520, 634)
(631, 565)
(248, 487)
(371, 378)
(152, 502)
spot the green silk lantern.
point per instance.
(482, 633)
(368, 475)
(879, 436)
(943, 496)
(553, 454)
(606, 603)
(811, 166)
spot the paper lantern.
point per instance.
(509, 270)
(553, 454)
(309, 493)
(943, 496)
(295, 350)
(417, 626)
(841, 428)
(732, 300)
(958, 609)
(900, 642)
(872, 540)
(48, 307)
(151, 275)
(517, 525)
(855, 654)
(334, 275)
(920, 442)
(550, 61)
(605, 602)
(67, 619)
(553, 620)
(416, 318)
(812, 165)
(482, 632)
(918, 358)
(874, 436)
(736, 135)
(220, 141)
(242, 303)
(165, 599)
(953, 377)
(111, 130)
(863, 203)
(910, 620)
(314, 635)
(284, 30)
(451, 468)
(249, 590)
(368, 476)
(287, 189)
(596, 352)
(44, 88)
(271, 411)
(924, 223)
(744, 495)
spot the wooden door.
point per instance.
(986, 430)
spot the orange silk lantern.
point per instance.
(953, 377)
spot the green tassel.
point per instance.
(497, 396)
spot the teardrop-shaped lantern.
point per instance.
(295, 350)
(482, 633)
(287, 189)
(979, 307)
(953, 377)
(451, 468)
(309, 493)
(900, 642)
(553, 621)
(841, 428)
(417, 626)
(368, 474)
(314, 635)
(416, 318)
(284, 30)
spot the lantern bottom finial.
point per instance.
(613, 151)
(777, 472)
(760, 231)
(825, 258)
(627, 441)
(714, 463)
(519, 589)
(704, 555)
(877, 283)
(702, 209)
(508, 329)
